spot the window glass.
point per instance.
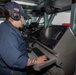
(61, 18)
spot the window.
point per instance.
(60, 18)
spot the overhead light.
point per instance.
(26, 3)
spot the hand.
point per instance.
(40, 59)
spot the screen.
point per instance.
(51, 35)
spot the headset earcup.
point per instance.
(15, 15)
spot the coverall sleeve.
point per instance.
(10, 52)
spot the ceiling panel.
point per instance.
(42, 4)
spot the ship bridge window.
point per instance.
(60, 18)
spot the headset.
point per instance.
(13, 14)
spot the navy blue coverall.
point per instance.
(13, 54)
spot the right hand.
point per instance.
(40, 59)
